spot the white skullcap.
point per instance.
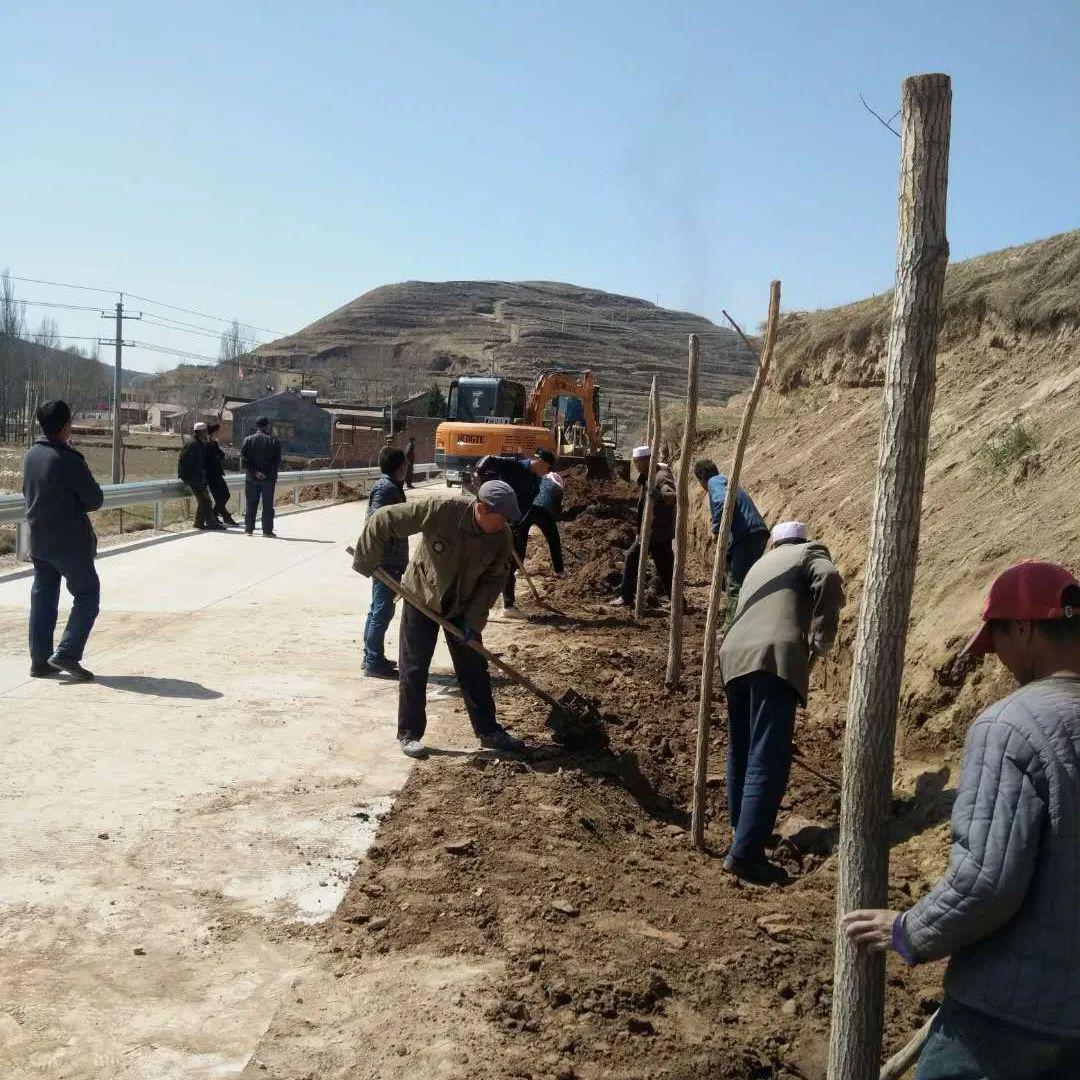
(641, 451)
(788, 530)
(200, 426)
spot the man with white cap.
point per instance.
(664, 497)
(789, 607)
(1007, 911)
(458, 569)
(191, 468)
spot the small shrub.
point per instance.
(1007, 445)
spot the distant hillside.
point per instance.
(401, 337)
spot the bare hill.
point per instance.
(404, 336)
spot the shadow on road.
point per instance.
(154, 687)
(300, 540)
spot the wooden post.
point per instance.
(674, 660)
(645, 536)
(712, 619)
(921, 256)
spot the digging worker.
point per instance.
(191, 468)
(664, 499)
(60, 491)
(260, 454)
(789, 607)
(749, 533)
(215, 475)
(459, 569)
(1007, 911)
(388, 490)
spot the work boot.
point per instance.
(413, 748)
(42, 671)
(385, 670)
(756, 871)
(501, 739)
(70, 667)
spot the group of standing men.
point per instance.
(202, 467)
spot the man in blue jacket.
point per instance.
(60, 491)
(387, 491)
(749, 533)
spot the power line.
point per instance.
(53, 304)
(203, 314)
(62, 284)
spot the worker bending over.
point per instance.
(789, 607)
(749, 533)
(664, 499)
(458, 570)
(1007, 911)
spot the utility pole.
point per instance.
(116, 390)
(922, 253)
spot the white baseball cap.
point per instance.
(788, 530)
(641, 451)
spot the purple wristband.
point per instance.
(900, 942)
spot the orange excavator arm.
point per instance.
(553, 384)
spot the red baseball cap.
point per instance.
(1028, 590)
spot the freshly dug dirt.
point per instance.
(583, 935)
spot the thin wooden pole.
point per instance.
(645, 536)
(878, 663)
(712, 619)
(675, 638)
(907, 1055)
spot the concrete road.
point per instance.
(165, 829)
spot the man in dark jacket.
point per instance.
(215, 475)
(60, 491)
(788, 612)
(664, 499)
(387, 491)
(1007, 911)
(260, 454)
(191, 468)
(749, 533)
(410, 460)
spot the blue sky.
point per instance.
(272, 160)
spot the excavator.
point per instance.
(489, 414)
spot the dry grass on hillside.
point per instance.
(1033, 287)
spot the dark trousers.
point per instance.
(379, 617)
(81, 579)
(410, 470)
(663, 559)
(416, 646)
(761, 723)
(742, 555)
(547, 524)
(965, 1044)
(204, 509)
(254, 490)
(219, 492)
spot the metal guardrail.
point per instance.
(158, 492)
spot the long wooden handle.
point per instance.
(410, 597)
(905, 1057)
(528, 576)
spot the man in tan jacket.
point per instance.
(458, 570)
(787, 616)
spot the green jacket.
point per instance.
(458, 569)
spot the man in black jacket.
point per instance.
(191, 468)
(387, 491)
(60, 491)
(260, 454)
(215, 475)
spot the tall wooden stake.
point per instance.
(647, 517)
(878, 664)
(712, 619)
(674, 660)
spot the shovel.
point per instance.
(532, 585)
(573, 718)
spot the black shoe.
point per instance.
(229, 521)
(214, 526)
(270, 535)
(381, 671)
(42, 671)
(249, 532)
(70, 667)
(757, 871)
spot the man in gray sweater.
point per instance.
(789, 607)
(60, 491)
(1007, 911)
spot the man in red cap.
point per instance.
(1007, 911)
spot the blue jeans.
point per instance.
(82, 582)
(379, 616)
(965, 1044)
(761, 722)
(253, 491)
